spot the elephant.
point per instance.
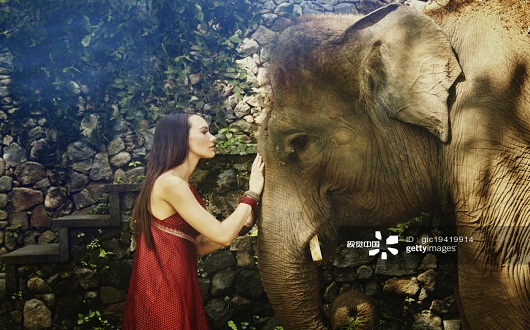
(378, 118)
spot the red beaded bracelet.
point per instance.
(249, 201)
(253, 204)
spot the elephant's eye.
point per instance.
(299, 143)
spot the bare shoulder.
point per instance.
(169, 184)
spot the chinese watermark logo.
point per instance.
(390, 240)
(376, 245)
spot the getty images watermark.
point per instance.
(425, 244)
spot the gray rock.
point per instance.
(36, 133)
(364, 272)
(120, 176)
(351, 258)
(218, 260)
(427, 321)
(47, 237)
(55, 197)
(429, 262)
(119, 273)
(110, 295)
(2, 166)
(148, 135)
(268, 20)
(444, 306)
(249, 64)
(30, 172)
(428, 279)
(372, 288)
(120, 159)
(77, 181)
(398, 265)
(227, 179)
(242, 109)
(14, 155)
(101, 168)
(241, 126)
(42, 184)
(402, 286)
(87, 277)
(136, 174)
(88, 125)
(121, 127)
(139, 153)
(37, 285)
(19, 220)
(83, 199)
(4, 91)
(6, 184)
(25, 198)
(36, 315)
(65, 286)
(83, 166)
(248, 47)
(222, 281)
(345, 8)
(264, 36)
(40, 218)
(248, 283)
(10, 241)
(78, 151)
(4, 199)
(219, 312)
(47, 298)
(115, 146)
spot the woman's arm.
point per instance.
(176, 192)
(206, 246)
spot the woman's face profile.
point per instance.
(201, 141)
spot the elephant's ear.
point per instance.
(408, 66)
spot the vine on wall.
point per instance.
(91, 64)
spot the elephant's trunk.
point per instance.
(289, 275)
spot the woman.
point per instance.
(173, 228)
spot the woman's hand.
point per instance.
(257, 178)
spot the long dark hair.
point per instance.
(170, 149)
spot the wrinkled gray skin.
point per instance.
(379, 118)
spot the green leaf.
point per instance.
(86, 40)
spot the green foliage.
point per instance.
(200, 269)
(17, 296)
(246, 325)
(409, 227)
(117, 59)
(95, 320)
(102, 205)
(14, 231)
(94, 244)
(231, 144)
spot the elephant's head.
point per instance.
(360, 108)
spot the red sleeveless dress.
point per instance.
(164, 289)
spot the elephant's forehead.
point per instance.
(282, 122)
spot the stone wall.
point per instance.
(416, 292)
